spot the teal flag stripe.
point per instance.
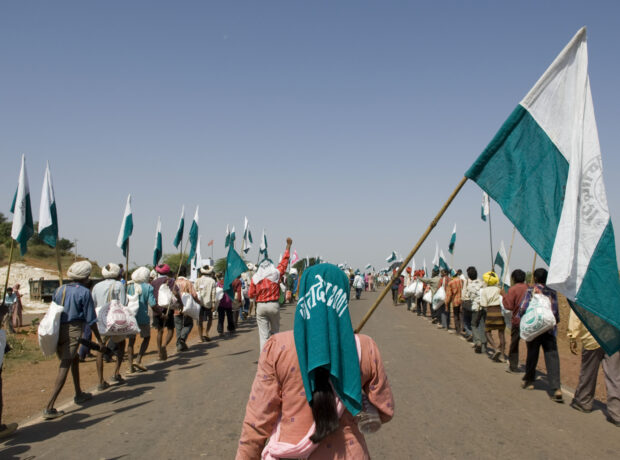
(49, 234)
(525, 173)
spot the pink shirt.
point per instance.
(278, 390)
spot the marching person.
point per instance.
(300, 399)
(478, 315)
(512, 302)
(490, 300)
(205, 288)
(79, 309)
(265, 288)
(454, 294)
(140, 286)
(592, 355)
(183, 323)
(163, 317)
(109, 289)
(546, 340)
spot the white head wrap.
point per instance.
(153, 274)
(293, 271)
(140, 275)
(206, 270)
(79, 270)
(111, 271)
(268, 270)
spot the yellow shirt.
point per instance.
(577, 331)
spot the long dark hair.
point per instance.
(323, 406)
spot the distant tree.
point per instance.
(173, 261)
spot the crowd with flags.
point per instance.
(547, 148)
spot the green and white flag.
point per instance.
(230, 237)
(452, 241)
(501, 260)
(48, 218)
(368, 266)
(547, 154)
(126, 228)
(435, 260)
(424, 267)
(442, 261)
(157, 251)
(193, 237)
(23, 226)
(485, 208)
(263, 246)
(178, 238)
(247, 237)
(392, 257)
(235, 266)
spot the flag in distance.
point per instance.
(157, 251)
(210, 243)
(501, 260)
(262, 250)
(442, 261)
(126, 228)
(485, 209)
(23, 226)
(247, 237)
(424, 267)
(48, 218)
(392, 257)
(452, 241)
(235, 266)
(547, 154)
(435, 260)
(193, 237)
(294, 258)
(179, 235)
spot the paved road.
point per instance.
(450, 403)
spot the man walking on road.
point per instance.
(511, 302)
(265, 288)
(79, 309)
(591, 357)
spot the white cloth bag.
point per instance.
(113, 319)
(49, 328)
(537, 319)
(428, 296)
(439, 298)
(191, 308)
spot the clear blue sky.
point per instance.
(343, 124)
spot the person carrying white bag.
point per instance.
(539, 298)
(109, 295)
(78, 310)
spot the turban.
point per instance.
(490, 278)
(206, 270)
(153, 274)
(163, 269)
(111, 271)
(79, 270)
(408, 269)
(293, 271)
(140, 275)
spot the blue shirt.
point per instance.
(147, 297)
(78, 304)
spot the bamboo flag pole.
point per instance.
(533, 267)
(491, 239)
(8, 270)
(181, 256)
(514, 230)
(127, 263)
(411, 254)
(58, 262)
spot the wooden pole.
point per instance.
(514, 230)
(181, 256)
(8, 270)
(127, 263)
(491, 240)
(411, 254)
(58, 262)
(533, 267)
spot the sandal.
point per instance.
(103, 386)
(140, 367)
(82, 397)
(7, 430)
(557, 396)
(51, 414)
(118, 379)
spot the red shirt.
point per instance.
(266, 290)
(513, 300)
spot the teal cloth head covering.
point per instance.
(324, 334)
